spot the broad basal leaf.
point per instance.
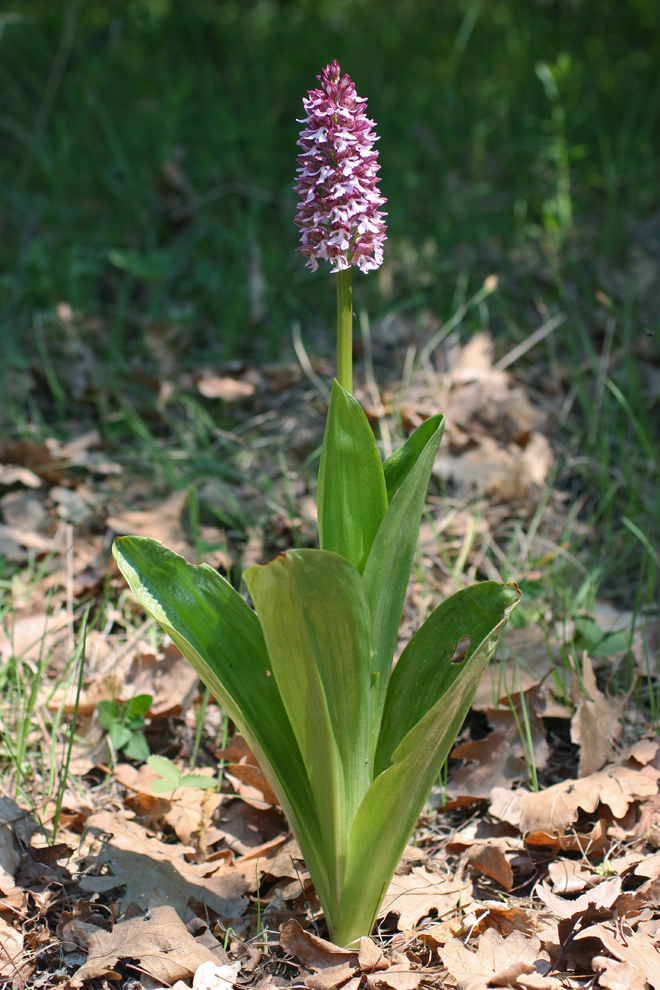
(352, 499)
(388, 567)
(395, 799)
(315, 620)
(220, 636)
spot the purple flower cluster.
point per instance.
(338, 214)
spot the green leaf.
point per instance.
(425, 671)
(398, 465)
(137, 747)
(352, 498)
(138, 706)
(315, 618)
(108, 712)
(197, 780)
(396, 797)
(165, 768)
(119, 735)
(221, 638)
(388, 567)
(159, 786)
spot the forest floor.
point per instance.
(536, 863)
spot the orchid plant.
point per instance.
(350, 744)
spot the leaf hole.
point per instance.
(460, 650)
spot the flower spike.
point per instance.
(339, 216)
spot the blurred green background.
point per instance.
(148, 153)
(147, 163)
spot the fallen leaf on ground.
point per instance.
(600, 897)
(159, 941)
(156, 873)
(596, 725)
(168, 678)
(638, 950)
(31, 635)
(162, 522)
(499, 759)
(227, 389)
(11, 950)
(313, 952)
(570, 877)
(613, 975)
(554, 809)
(514, 961)
(414, 895)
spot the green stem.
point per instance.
(345, 329)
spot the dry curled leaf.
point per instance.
(595, 726)
(613, 975)
(514, 961)
(416, 894)
(312, 951)
(598, 898)
(554, 809)
(158, 940)
(639, 950)
(156, 873)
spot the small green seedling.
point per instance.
(124, 722)
(170, 777)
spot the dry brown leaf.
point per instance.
(596, 725)
(162, 522)
(17, 826)
(313, 952)
(554, 809)
(399, 975)
(254, 778)
(168, 678)
(34, 456)
(613, 975)
(33, 634)
(186, 809)
(499, 759)
(11, 950)
(156, 873)
(227, 389)
(599, 898)
(371, 956)
(330, 977)
(414, 895)
(159, 941)
(489, 858)
(638, 950)
(570, 877)
(514, 961)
